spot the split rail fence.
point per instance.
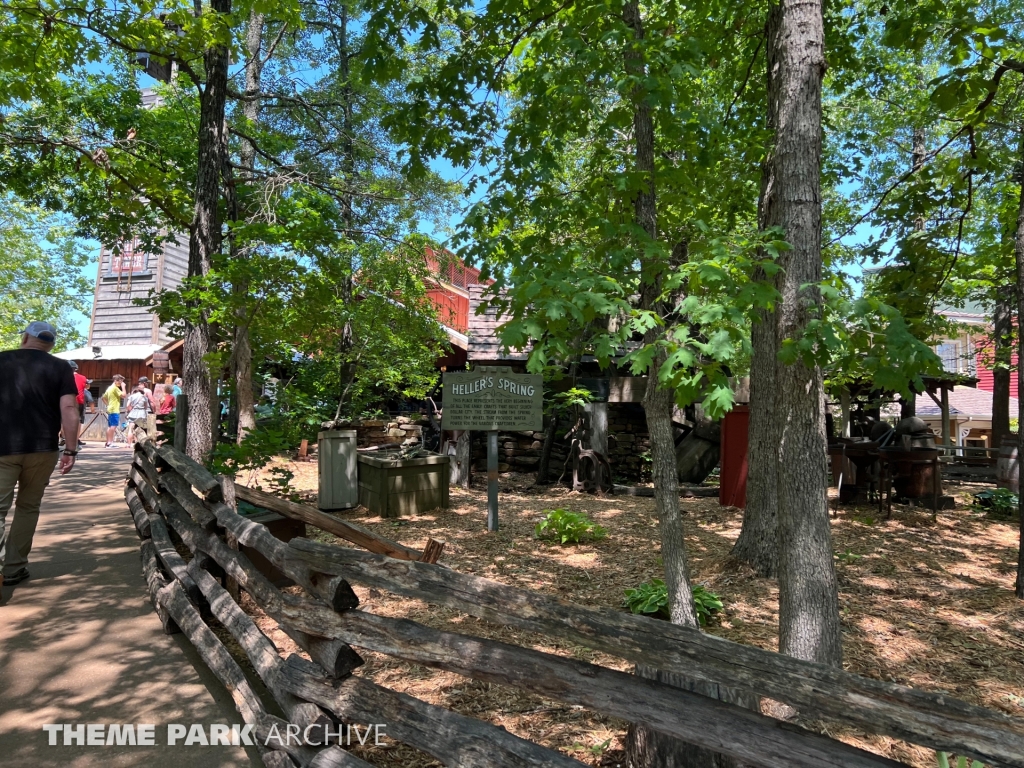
(171, 497)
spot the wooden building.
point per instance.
(123, 336)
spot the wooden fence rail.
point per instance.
(166, 492)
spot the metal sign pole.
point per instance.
(492, 480)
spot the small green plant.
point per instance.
(646, 467)
(568, 527)
(866, 520)
(998, 502)
(281, 483)
(596, 750)
(848, 556)
(961, 761)
(651, 599)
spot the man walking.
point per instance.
(38, 397)
(112, 397)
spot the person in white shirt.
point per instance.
(136, 408)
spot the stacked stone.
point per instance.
(517, 451)
(402, 431)
(628, 441)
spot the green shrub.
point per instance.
(651, 598)
(961, 761)
(998, 502)
(568, 527)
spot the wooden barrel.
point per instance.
(1008, 466)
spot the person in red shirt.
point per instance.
(169, 402)
(82, 383)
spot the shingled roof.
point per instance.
(484, 345)
(963, 401)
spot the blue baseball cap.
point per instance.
(42, 331)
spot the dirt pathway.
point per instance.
(80, 643)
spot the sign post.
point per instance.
(492, 399)
(492, 480)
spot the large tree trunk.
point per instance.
(346, 343)
(1018, 250)
(757, 544)
(205, 238)
(808, 597)
(1002, 333)
(241, 349)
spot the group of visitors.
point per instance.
(43, 401)
(138, 404)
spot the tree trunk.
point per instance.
(205, 237)
(242, 353)
(544, 465)
(346, 343)
(646, 748)
(757, 544)
(1018, 249)
(1002, 333)
(808, 597)
(241, 349)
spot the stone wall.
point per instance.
(629, 444)
(394, 432)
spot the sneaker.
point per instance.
(16, 578)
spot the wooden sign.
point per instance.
(489, 399)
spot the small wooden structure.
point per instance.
(392, 487)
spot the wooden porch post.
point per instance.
(945, 416)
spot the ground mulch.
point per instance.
(925, 602)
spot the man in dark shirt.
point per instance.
(37, 397)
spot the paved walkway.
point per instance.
(80, 643)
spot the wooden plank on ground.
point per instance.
(937, 721)
(349, 531)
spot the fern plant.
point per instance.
(568, 527)
(651, 599)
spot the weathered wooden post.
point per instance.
(180, 422)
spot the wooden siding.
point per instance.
(982, 360)
(484, 345)
(116, 319)
(452, 309)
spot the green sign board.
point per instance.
(492, 399)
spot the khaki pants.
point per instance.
(30, 472)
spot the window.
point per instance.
(949, 353)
